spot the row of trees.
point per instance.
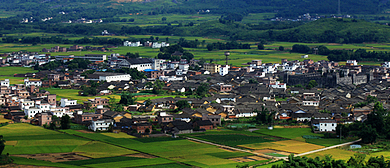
(357, 161)
(227, 46)
(166, 53)
(377, 125)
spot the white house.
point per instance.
(109, 77)
(138, 63)
(170, 78)
(386, 65)
(184, 67)
(311, 103)
(278, 85)
(352, 62)
(224, 70)
(100, 125)
(4, 82)
(30, 112)
(132, 44)
(61, 111)
(36, 83)
(325, 125)
(159, 45)
(66, 102)
(246, 113)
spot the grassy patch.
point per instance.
(327, 142)
(290, 133)
(233, 139)
(25, 161)
(157, 139)
(275, 154)
(335, 153)
(227, 155)
(169, 165)
(13, 80)
(10, 71)
(131, 163)
(118, 135)
(291, 146)
(100, 160)
(95, 149)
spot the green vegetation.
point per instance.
(11, 71)
(96, 149)
(290, 133)
(233, 140)
(107, 159)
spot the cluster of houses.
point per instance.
(145, 44)
(235, 92)
(76, 48)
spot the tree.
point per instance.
(127, 99)
(163, 19)
(202, 90)
(181, 104)
(368, 134)
(2, 144)
(312, 84)
(260, 46)
(65, 122)
(157, 86)
(281, 48)
(148, 102)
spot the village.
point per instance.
(321, 94)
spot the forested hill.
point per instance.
(98, 9)
(322, 30)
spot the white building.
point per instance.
(352, 62)
(138, 63)
(184, 67)
(386, 65)
(170, 78)
(224, 70)
(109, 77)
(132, 44)
(100, 125)
(278, 85)
(30, 112)
(325, 125)
(159, 45)
(36, 83)
(61, 111)
(5, 82)
(311, 103)
(66, 102)
(157, 64)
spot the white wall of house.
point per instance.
(310, 103)
(66, 102)
(100, 125)
(224, 70)
(30, 112)
(124, 77)
(250, 114)
(5, 82)
(29, 83)
(327, 126)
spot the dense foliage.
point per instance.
(357, 161)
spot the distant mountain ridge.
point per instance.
(283, 8)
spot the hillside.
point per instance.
(98, 9)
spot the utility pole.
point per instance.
(339, 11)
(340, 132)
